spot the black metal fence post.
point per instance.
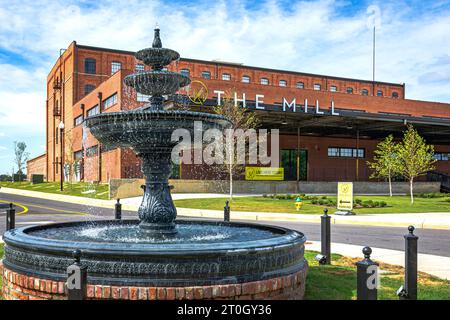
(366, 277)
(10, 217)
(409, 291)
(226, 211)
(118, 210)
(325, 236)
(77, 278)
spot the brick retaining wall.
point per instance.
(22, 287)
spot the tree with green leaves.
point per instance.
(385, 161)
(415, 157)
(21, 156)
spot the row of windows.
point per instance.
(90, 66)
(93, 111)
(78, 120)
(283, 83)
(346, 152)
(92, 151)
(440, 156)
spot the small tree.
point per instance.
(21, 157)
(385, 161)
(415, 157)
(240, 118)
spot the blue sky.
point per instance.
(322, 36)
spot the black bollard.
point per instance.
(325, 238)
(409, 290)
(77, 278)
(118, 210)
(10, 217)
(226, 211)
(366, 277)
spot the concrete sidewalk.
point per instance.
(435, 220)
(435, 265)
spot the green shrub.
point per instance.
(314, 201)
(383, 204)
(264, 195)
(323, 197)
(358, 201)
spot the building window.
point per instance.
(88, 88)
(89, 66)
(333, 152)
(333, 88)
(78, 120)
(93, 111)
(282, 83)
(379, 93)
(349, 90)
(365, 92)
(115, 66)
(226, 76)
(139, 67)
(264, 81)
(300, 85)
(185, 72)
(110, 101)
(245, 79)
(395, 95)
(92, 151)
(142, 97)
(206, 75)
(317, 87)
(78, 155)
(441, 156)
(346, 152)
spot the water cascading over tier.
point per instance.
(148, 132)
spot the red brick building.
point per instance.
(317, 144)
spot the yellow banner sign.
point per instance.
(345, 196)
(264, 173)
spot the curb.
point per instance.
(199, 213)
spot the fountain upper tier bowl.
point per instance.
(148, 129)
(156, 82)
(120, 253)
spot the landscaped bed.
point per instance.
(80, 189)
(395, 204)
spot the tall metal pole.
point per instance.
(62, 159)
(373, 63)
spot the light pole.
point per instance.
(61, 137)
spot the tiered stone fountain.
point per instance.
(157, 256)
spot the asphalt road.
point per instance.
(38, 211)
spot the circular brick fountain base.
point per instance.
(18, 286)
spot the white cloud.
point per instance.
(324, 36)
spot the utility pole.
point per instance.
(373, 63)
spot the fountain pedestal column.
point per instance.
(157, 211)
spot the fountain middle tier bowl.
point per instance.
(120, 253)
(140, 129)
(156, 82)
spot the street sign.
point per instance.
(345, 196)
(264, 173)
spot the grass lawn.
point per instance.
(396, 204)
(81, 189)
(338, 281)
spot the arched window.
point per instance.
(317, 87)
(379, 93)
(88, 88)
(245, 79)
(264, 81)
(365, 92)
(395, 95)
(90, 65)
(282, 83)
(185, 72)
(300, 85)
(350, 90)
(333, 88)
(206, 75)
(226, 76)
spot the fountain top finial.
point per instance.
(157, 40)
